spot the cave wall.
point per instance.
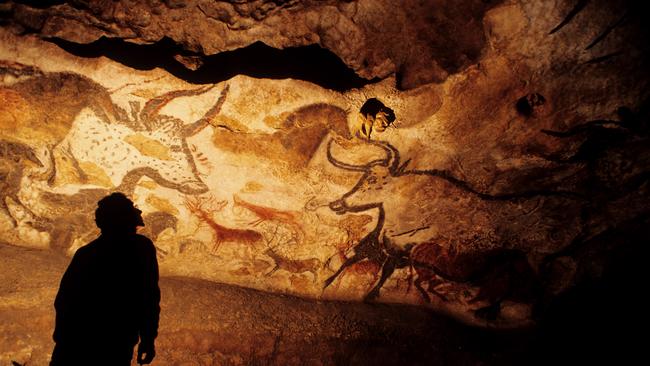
(517, 162)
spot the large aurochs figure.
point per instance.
(109, 296)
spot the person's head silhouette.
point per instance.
(116, 214)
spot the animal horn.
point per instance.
(153, 106)
(342, 165)
(392, 155)
(194, 128)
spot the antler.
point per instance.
(268, 242)
(193, 204)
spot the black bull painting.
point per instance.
(439, 226)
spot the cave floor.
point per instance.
(205, 323)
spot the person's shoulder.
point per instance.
(143, 241)
(88, 248)
(87, 252)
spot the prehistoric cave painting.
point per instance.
(579, 6)
(41, 107)
(18, 70)
(291, 265)
(609, 153)
(70, 217)
(354, 228)
(297, 139)
(362, 269)
(204, 207)
(612, 168)
(156, 222)
(440, 205)
(572, 13)
(36, 114)
(499, 274)
(372, 255)
(13, 158)
(146, 142)
(263, 213)
(66, 117)
(201, 158)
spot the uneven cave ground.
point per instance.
(205, 323)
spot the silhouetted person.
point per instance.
(109, 295)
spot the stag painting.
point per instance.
(203, 209)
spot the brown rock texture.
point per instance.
(204, 323)
(430, 45)
(502, 173)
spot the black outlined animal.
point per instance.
(418, 206)
(69, 116)
(147, 142)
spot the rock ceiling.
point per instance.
(516, 164)
(373, 38)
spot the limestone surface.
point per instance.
(515, 169)
(421, 41)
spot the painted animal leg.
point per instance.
(36, 221)
(256, 222)
(215, 247)
(386, 271)
(393, 258)
(273, 270)
(5, 208)
(350, 261)
(375, 277)
(421, 290)
(409, 279)
(432, 289)
(313, 271)
(337, 284)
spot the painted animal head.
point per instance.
(377, 174)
